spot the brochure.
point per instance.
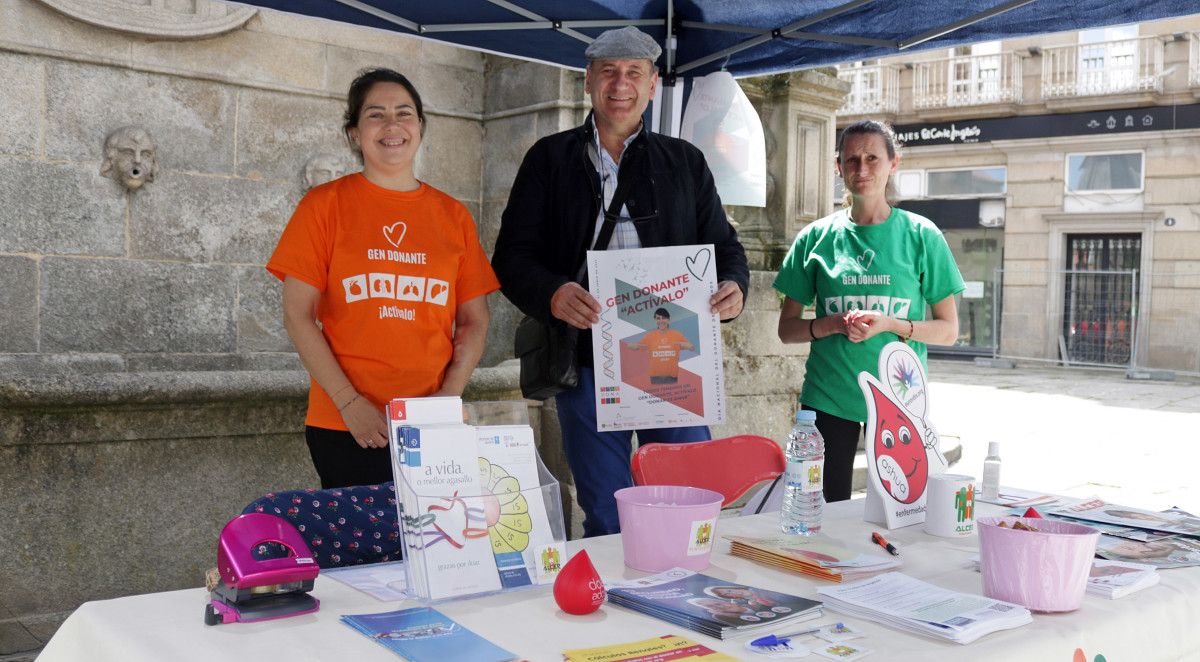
(1178, 552)
(816, 556)
(445, 518)
(1112, 579)
(912, 605)
(1111, 529)
(1097, 510)
(1115, 579)
(404, 413)
(1015, 498)
(658, 649)
(711, 606)
(517, 523)
(657, 347)
(421, 634)
(382, 581)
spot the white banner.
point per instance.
(721, 121)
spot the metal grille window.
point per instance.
(1100, 301)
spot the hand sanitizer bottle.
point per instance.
(991, 472)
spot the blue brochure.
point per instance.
(421, 634)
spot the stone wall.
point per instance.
(170, 276)
(147, 387)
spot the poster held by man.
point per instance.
(657, 348)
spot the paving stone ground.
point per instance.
(1075, 431)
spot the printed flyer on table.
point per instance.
(657, 348)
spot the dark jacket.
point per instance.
(550, 219)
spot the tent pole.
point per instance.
(937, 32)
(665, 124)
(764, 38)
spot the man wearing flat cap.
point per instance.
(652, 190)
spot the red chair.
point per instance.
(730, 466)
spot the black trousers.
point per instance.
(341, 462)
(841, 444)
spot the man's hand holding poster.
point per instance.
(657, 348)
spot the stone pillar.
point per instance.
(797, 111)
(523, 101)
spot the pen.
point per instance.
(878, 539)
(776, 640)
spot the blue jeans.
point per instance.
(599, 461)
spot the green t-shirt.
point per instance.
(895, 267)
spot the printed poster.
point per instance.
(657, 348)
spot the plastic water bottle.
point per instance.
(991, 472)
(803, 500)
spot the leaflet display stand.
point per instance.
(479, 511)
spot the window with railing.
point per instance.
(1194, 59)
(874, 89)
(1101, 64)
(971, 76)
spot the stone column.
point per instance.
(523, 101)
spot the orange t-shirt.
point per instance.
(664, 351)
(392, 268)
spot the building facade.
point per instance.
(1064, 172)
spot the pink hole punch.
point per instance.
(253, 589)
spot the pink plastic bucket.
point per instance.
(667, 526)
(1044, 570)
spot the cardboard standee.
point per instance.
(903, 448)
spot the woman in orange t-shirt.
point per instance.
(383, 286)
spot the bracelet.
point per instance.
(340, 391)
(911, 329)
(350, 402)
(811, 332)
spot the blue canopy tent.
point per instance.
(745, 38)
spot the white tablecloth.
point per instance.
(1158, 623)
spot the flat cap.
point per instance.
(628, 43)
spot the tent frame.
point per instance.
(671, 70)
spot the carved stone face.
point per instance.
(322, 168)
(130, 157)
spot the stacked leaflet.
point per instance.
(471, 500)
(816, 556)
(519, 529)
(658, 649)
(915, 606)
(426, 635)
(1115, 579)
(720, 609)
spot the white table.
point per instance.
(1158, 623)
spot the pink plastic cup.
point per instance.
(667, 526)
(1044, 570)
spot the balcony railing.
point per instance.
(967, 80)
(1194, 59)
(1106, 67)
(875, 89)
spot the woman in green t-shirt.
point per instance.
(870, 269)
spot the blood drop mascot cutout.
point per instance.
(902, 446)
